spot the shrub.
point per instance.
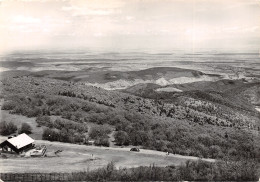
(7, 128)
(51, 135)
(67, 124)
(26, 110)
(78, 138)
(45, 121)
(102, 142)
(25, 128)
(34, 112)
(62, 135)
(9, 105)
(190, 171)
(65, 136)
(215, 151)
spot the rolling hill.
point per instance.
(192, 122)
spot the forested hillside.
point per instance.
(224, 102)
(193, 123)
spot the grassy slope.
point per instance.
(19, 119)
(78, 158)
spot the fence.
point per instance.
(38, 177)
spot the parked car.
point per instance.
(135, 149)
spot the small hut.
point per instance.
(17, 144)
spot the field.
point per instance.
(79, 158)
(16, 119)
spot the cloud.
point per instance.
(252, 29)
(29, 1)
(240, 4)
(93, 7)
(129, 17)
(70, 8)
(99, 34)
(90, 12)
(21, 19)
(122, 23)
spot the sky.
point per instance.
(117, 25)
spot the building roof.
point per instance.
(20, 141)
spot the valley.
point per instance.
(186, 112)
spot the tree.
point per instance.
(65, 136)
(138, 137)
(102, 142)
(45, 121)
(7, 128)
(25, 128)
(99, 131)
(122, 138)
